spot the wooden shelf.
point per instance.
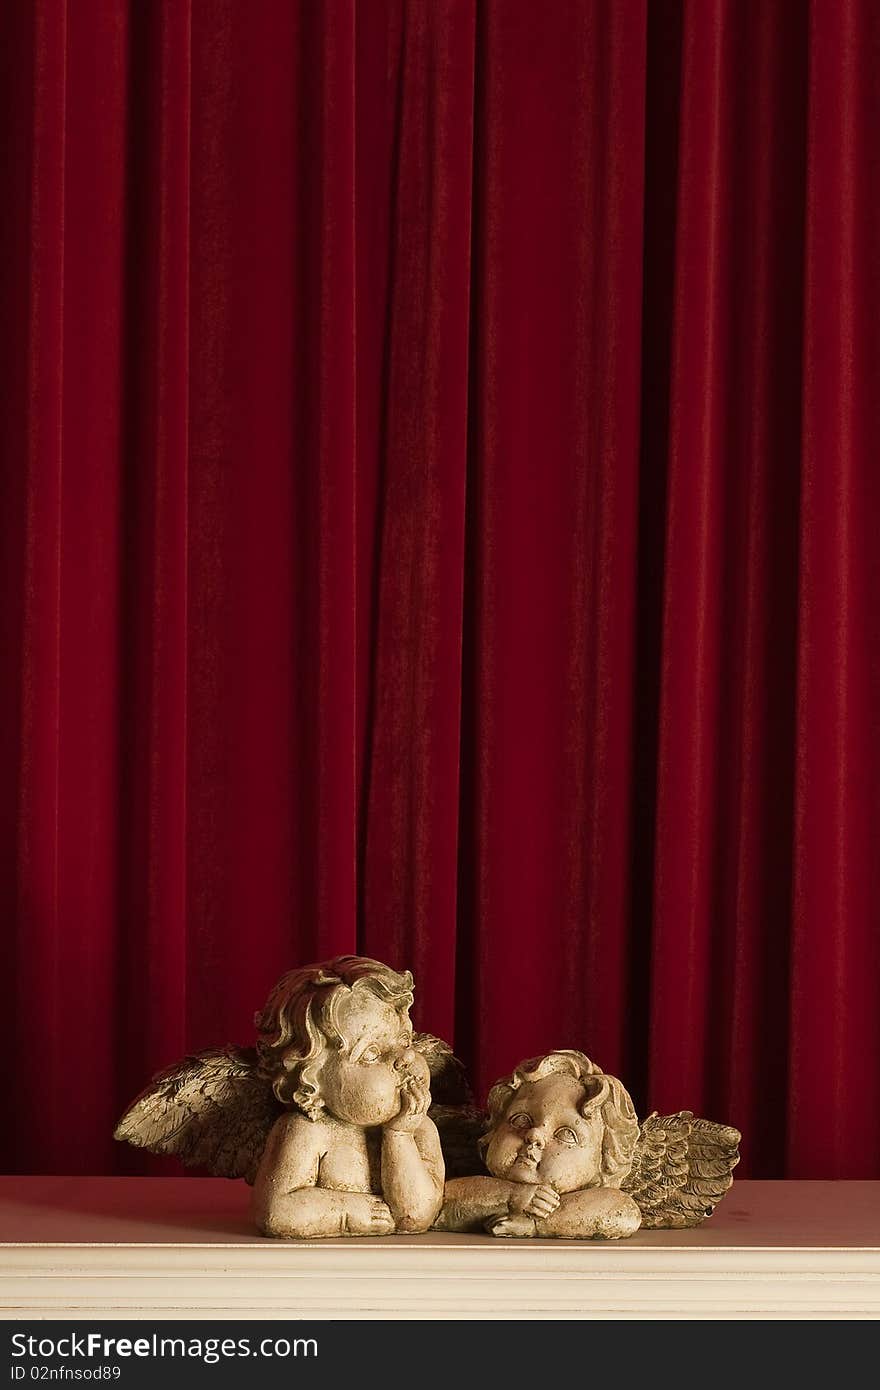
(183, 1247)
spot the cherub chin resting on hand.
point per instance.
(560, 1142)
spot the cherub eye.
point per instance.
(370, 1054)
(520, 1120)
(566, 1135)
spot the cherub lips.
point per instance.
(528, 1158)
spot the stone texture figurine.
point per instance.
(327, 1116)
(347, 1123)
(567, 1157)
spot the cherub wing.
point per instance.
(212, 1110)
(458, 1122)
(460, 1128)
(449, 1084)
(682, 1167)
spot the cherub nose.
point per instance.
(412, 1064)
(534, 1138)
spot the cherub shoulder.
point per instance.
(295, 1148)
(293, 1129)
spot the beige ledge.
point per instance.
(183, 1247)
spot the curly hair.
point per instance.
(601, 1092)
(299, 1022)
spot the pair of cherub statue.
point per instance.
(331, 1118)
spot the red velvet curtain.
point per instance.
(440, 519)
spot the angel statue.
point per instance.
(327, 1116)
(567, 1157)
(347, 1123)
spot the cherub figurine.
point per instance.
(327, 1117)
(567, 1158)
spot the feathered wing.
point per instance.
(460, 1128)
(212, 1110)
(458, 1122)
(449, 1083)
(682, 1167)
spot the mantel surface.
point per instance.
(184, 1247)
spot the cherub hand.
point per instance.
(545, 1199)
(519, 1225)
(415, 1097)
(367, 1215)
(538, 1200)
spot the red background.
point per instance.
(440, 519)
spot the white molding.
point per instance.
(172, 1248)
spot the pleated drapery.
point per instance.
(439, 520)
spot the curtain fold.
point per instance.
(152, 713)
(439, 480)
(835, 975)
(412, 460)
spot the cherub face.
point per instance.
(360, 1081)
(543, 1137)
